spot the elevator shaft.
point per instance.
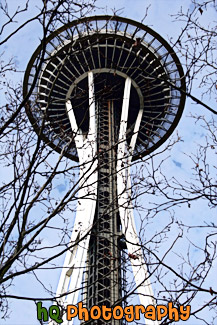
(104, 283)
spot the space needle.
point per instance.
(110, 90)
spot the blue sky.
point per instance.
(159, 19)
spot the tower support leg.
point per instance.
(76, 256)
(139, 267)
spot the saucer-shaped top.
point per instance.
(113, 48)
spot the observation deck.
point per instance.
(113, 48)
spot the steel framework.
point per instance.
(115, 90)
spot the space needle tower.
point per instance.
(110, 90)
